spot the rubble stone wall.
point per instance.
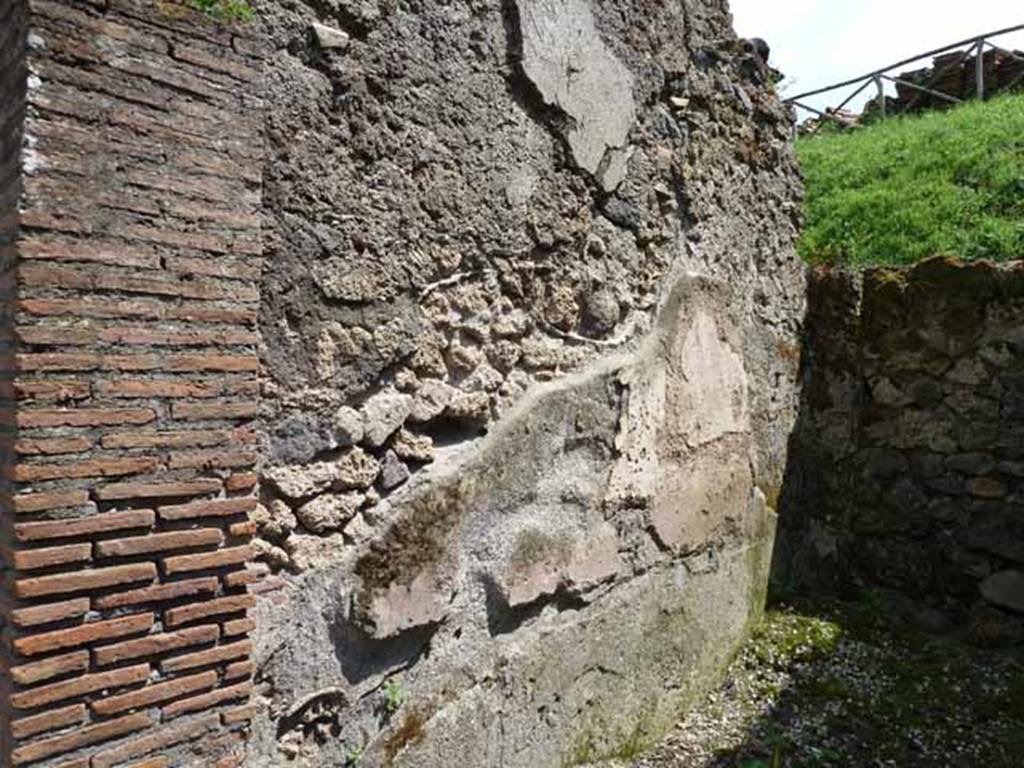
(129, 199)
(529, 330)
(907, 465)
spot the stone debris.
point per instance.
(383, 414)
(393, 472)
(329, 38)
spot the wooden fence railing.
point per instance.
(948, 59)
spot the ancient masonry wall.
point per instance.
(907, 464)
(131, 254)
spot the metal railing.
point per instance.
(977, 46)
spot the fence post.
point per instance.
(881, 95)
(979, 70)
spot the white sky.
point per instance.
(820, 42)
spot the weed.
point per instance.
(394, 696)
(354, 756)
(224, 10)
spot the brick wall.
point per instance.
(130, 348)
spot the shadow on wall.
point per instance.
(906, 466)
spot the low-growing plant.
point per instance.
(394, 696)
(354, 756)
(224, 10)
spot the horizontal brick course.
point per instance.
(31, 446)
(81, 737)
(50, 612)
(153, 645)
(185, 614)
(38, 671)
(157, 593)
(85, 580)
(238, 627)
(90, 468)
(84, 526)
(208, 700)
(154, 694)
(31, 559)
(77, 686)
(48, 721)
(36, 502)
(159, 542)
(84, 634)
(206, 560)
(239, 669)
(212, 508)
(221, 653)
(118, 491)
(84, 417)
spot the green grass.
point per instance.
(945, 183)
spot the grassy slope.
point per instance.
(943, 184)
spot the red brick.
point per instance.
(253, 573)
(92, 468)
(48, 721)
(217, 61)
(116, 308)
(208, 700)
(35, 446)
(226, 363)
(37, 671)
(84, 526)
(26, 389)
(32, 645)
(242, 714)
(57, 361)
(80, 737)
(152, 645)
(143, 439)
(239, 670)
(213, 508)
(159, 542)
(30, 559)
(204, 560)
(184, 614)
(78, 686)
(84, 417)
(38, 502)
(212, 460)
(231, 271)
(162, 738)
(238, 627)
(158, 388)
(155, 693)
(241, 482)
(116, 491)
(54, 335)
(199, 411)
(86, 250)
(156, 593)
(216, 655)
(83, 581)
(44, 614)
(243, 530)
(189, 338)
(152, 283)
